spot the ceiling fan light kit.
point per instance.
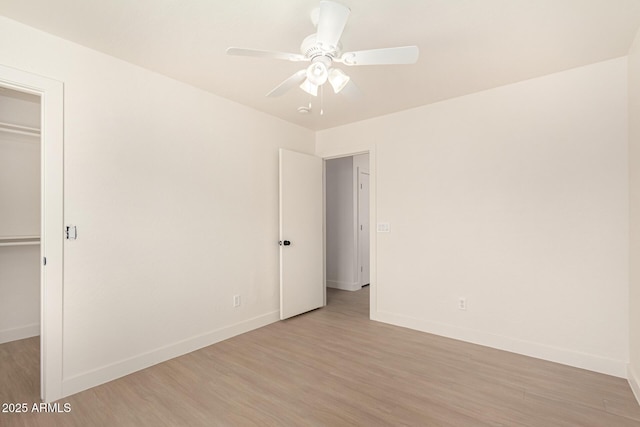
(338, 79)
(309, 87)
(317, 73)
(323, 48)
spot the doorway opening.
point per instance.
(20, 232)
(347, 246)
(31, 224)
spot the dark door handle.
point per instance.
(286, 243)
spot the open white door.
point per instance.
(301, 239)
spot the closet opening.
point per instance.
(20, 238)
(19, 89)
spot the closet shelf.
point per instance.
(18, 129)
(19, 240)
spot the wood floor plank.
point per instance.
(332, 367)
(625, 406)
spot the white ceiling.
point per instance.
(465, 45)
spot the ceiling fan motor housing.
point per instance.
(313, 49)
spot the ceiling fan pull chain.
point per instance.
(322, 100)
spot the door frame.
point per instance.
(51, 221)
(373, 252)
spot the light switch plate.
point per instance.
(383, 227)
(71, 232)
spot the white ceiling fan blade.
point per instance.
(391, 55)
(239, 51)
(333, 17)
(289, 83)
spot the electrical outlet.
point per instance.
(236, 301)
(462, 303)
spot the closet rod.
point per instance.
(18, 129)
(19, 240)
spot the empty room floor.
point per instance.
(332, 367)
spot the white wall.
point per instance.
(516, 199)
(19, 167)
(19, 292)
(341, 254)
(19, 216)
(634, 180)
(174, 192)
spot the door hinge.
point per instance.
(44, 260)
(361, 269)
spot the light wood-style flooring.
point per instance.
(332, 367)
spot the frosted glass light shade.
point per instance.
(338, 79)
(309, 87)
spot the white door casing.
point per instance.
(301, 233)
(51, 240)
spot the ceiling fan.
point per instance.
(323, 49)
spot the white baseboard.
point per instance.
(119, 369)
(634, 382)
(20, 333)
(540, 351)
(345, 286)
